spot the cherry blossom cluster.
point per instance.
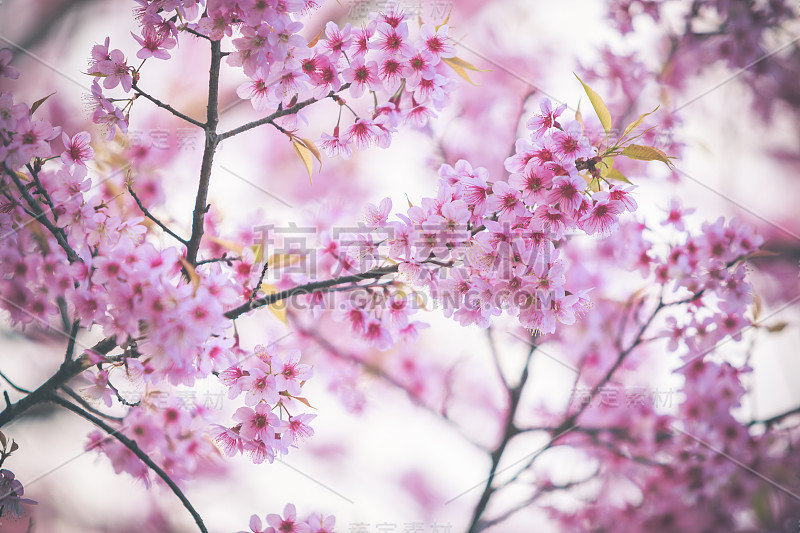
(270, 382)
(686, 456)
(709, 268)
(501, 238)
(736, 32)
(405, 75)
(315, 523)
(171, 433)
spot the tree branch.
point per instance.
(39, 215)
(277, 114)
(168, 107)
(64, 373)
(509, 431)
(308, 288)
(86, 405)
(211, 142)
(73, 337)
(133, 447)
(769, 422)
(154, 219)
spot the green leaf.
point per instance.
(775, 328)
(645, 153)
(636, 123)
(614, 174)
(39, 102)
(599, 106)
(305, 156)
(460, 67)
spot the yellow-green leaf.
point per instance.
(461, 67)
(614, 174)
(39, 102)
(258, 251)
(303, 400)
(756, 307)
(591, 182)
(775, 328)
(191, 272)
(278, 310)
(645, 153)
(313, 42)
(579, 115)
(446, 19)
(313, 149)
(599, 106)
(636, 123)
(282, 260)
(606, 165)
(305, 156)
(228, 245)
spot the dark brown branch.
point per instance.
(149, 215)
(73, 337)
(309, 288)
(211, 142)
(260, 281)
(64, 373)
(86, 405)
(224, 259)
(277, 114)
(570, 422)
(39, 215)
(195, 33)
(168, 107)
(769, 422)
(133, 447)
(509, 431)
(13, 385)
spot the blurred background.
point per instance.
(379, 461)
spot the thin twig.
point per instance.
(39, 215)
(308, 288)
(224, 259)
(168, 107)
(195, 33)
(133, 447)
(64, 373)
(258, 285)
(86, 405)
(277, 114)
(149, 215)
(13, 385)
(509, 432)
(768, 422)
